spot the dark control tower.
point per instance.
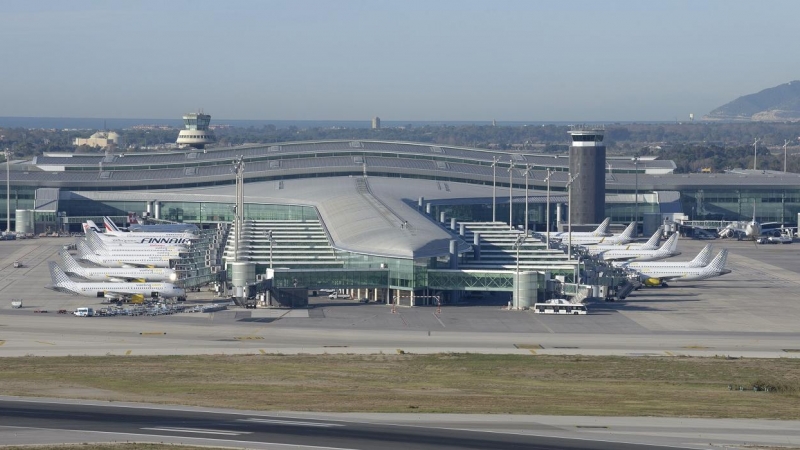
(587, 159)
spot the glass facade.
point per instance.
(771, 205)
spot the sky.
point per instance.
(547, 60)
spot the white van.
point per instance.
(84, 312)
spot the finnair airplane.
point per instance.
(617, 239)
(601, 230)
(113, 230)
(111, 290)
(651, 244)
(138, 243)
(98, 247)
(654, 274)
(119, 259)
(669, 248)
(126, 274)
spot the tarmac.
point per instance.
(748, 313)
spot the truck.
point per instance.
(84, 312)
(16, 303)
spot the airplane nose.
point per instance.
(725, 271)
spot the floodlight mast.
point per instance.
(7, 154)
(510, 194)
(527, 175)
(569, 214)
(547, 213)
(755, 154)
(495, 159)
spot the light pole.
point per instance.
(785, 143)
(569, 214)
(547, 214)
(269, 236)
(636, 195)
(7, 154)
(527, 173)
(495, 159)
(755, 154)
(510, 194)
(517, 244)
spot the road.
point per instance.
(105, 423)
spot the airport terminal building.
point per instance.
(413, 216)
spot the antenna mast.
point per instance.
(755, 154)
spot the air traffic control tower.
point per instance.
(196, 134)
(587, 160)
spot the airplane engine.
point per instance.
(651, 282)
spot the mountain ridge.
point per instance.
(779, 103)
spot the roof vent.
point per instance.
(274, 148)
(275, 164)
(105, 175)
(441, 165)
(517, 157)
(355, 144)
(191, 155)
(190, 171)
(358, 159)
(435, 149)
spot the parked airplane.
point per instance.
(601, 230)
(128, 274)
(651, 244)
(111, 290)
(137, 242)
(669, 248)
(116, 259)
(623, 238)
(701, 260)
(113, 230)
(99, 247)
(653, 274)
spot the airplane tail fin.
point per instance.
(602, 229)
(627, 233)
(85, 253)
(652, 243)
(70, 265)
(670, 245)
(702, 259)
(718, 263)
(59, 278)
(92, 225)
(110, 225)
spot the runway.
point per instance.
(31, 421)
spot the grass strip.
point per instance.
(441, 383)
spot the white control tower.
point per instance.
(196, 134)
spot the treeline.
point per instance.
(694, 158)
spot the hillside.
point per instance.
(779, 103)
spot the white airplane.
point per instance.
(99, 248)
(651, 244)
(127, 274)
(669, 248)
(111, 290)
(119, 259)
(601, 230)
(652, 274)
(623, 238)
(113, 230)
(134, 242)
(701, 260)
